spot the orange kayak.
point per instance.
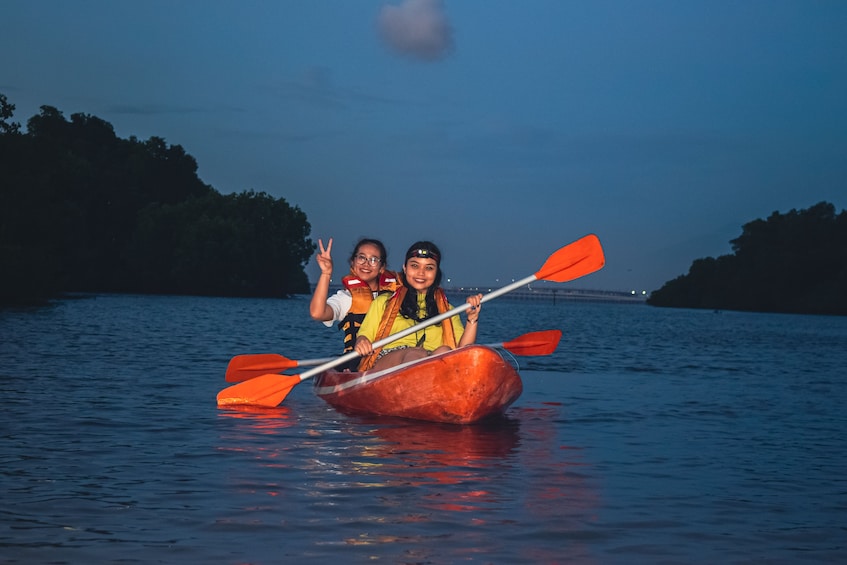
(462, 386)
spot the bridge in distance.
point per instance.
(542, 293)
(553, 294)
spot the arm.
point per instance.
(318, 308)
(469, 335)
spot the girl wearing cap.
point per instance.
(420, 297)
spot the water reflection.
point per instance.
(252, 427)
(416, 453)
(435, 491)
(481, 477)
(258, 419)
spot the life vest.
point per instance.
(392, 309)
(362, 298)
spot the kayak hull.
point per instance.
(462, 386)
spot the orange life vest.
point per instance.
(362, 298)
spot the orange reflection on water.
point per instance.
(513, 473)
(260, 419)
(427, 446)
(433, 456)
(252, 422)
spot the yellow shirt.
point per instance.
(432, 334)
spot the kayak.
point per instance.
(461, 386)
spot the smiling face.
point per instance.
(364, 263)
(420, 273)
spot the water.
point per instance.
(650, 436)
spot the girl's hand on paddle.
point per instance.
(324, 258)
(476, 305)
(363, 346)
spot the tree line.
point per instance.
(792, 263)
(82, 210)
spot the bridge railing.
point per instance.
(541, 293)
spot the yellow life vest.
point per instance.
(392, 309)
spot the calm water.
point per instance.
(650, 436)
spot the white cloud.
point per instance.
(416, 28)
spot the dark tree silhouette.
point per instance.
(84, 210)
(794, 262)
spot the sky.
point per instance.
(501, 130)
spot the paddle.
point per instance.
(582, 257)
(245, 367)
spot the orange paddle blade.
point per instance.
(267, 390)
(534, 343)
(244, 367)
(577, 259)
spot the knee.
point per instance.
(414, 353)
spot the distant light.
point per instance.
(632, 292)
(643, 292)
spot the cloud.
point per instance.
(416, 28)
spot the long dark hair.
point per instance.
(409, 306)
(369, 241)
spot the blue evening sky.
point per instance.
(500, 129)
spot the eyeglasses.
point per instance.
(374, 261)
